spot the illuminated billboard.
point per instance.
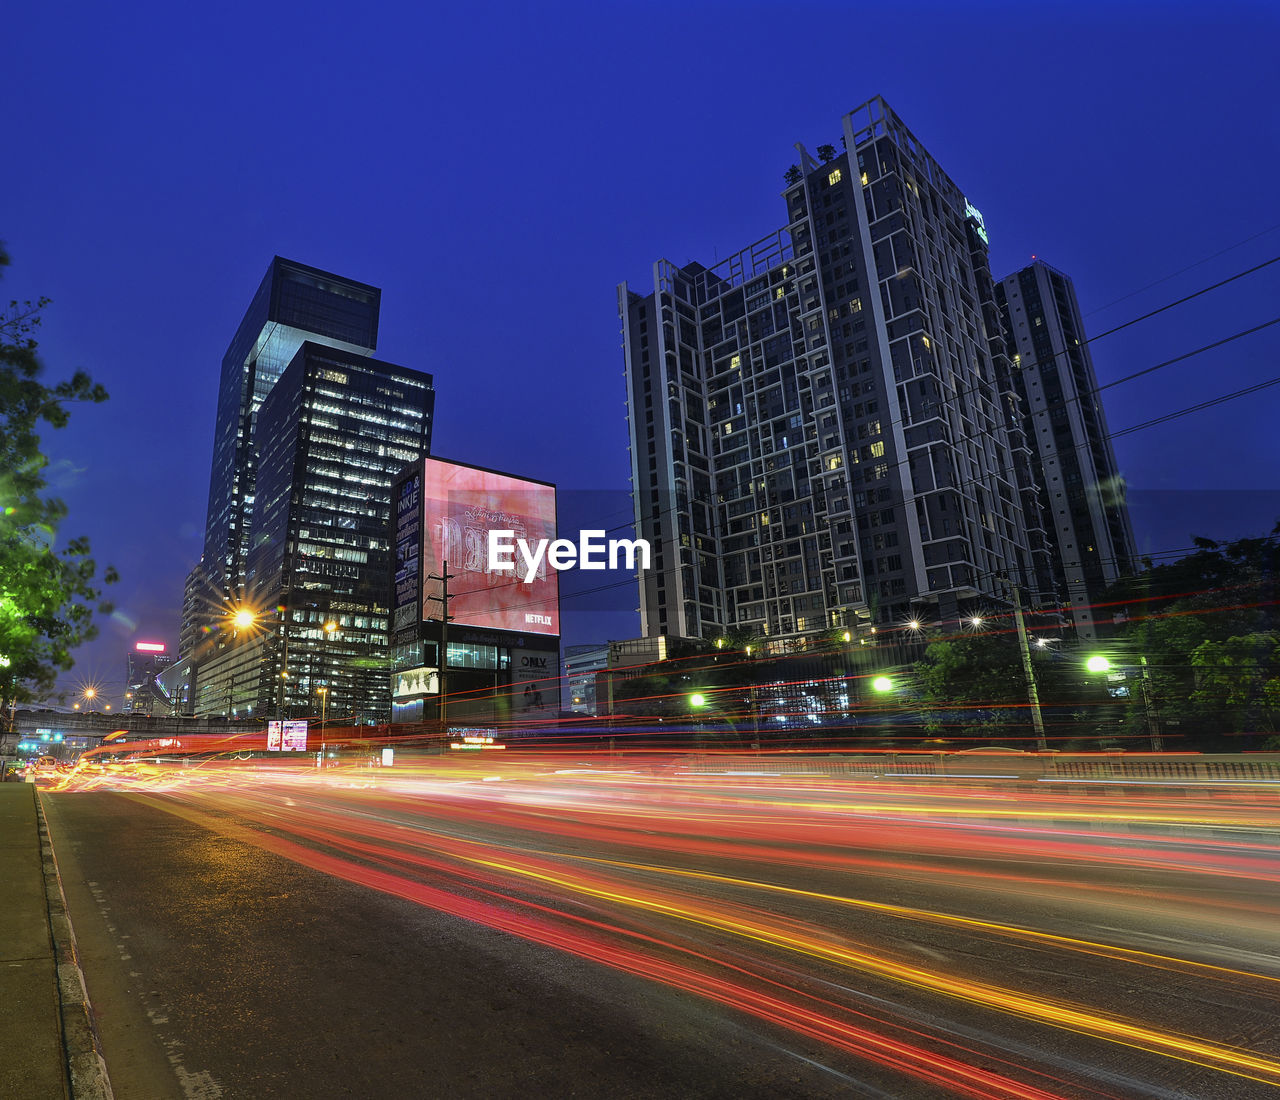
(460, 506)
(287, 736)
(149, 647)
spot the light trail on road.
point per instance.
(981, 940)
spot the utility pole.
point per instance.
(1028, 671)
(284, 665)
(1149, 708)
(443, 657)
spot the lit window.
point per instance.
(834, 463)
(925, 341)
(835, 177)
(877, 450)
(781, 293)
(735, 362)
(855, 306)
(864, 179)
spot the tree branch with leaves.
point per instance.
(49, 594)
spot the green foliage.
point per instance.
(48, 596)
(1206, 625)
(1238, 681)
(826, 153)
(980, 676)
(793, 174)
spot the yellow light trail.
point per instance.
(1065, 1015)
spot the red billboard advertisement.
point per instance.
(460, 506)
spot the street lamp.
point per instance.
(1098, 663)
(882, 684)
(245, 618)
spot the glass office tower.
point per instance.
(332, 434)
(293, 304)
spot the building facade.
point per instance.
(821, 439)
(1083, 495)
(329, 439)
(482, 652)
(294, 303)
(581, 664)
(143, 667)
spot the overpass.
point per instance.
(67, 734)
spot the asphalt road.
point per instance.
(552, 928)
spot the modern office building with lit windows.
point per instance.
(330, 437)
(294, 303)
(1083, 495)
(822, 434)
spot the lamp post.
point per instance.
(244, 619)
(323, 692)
(1099, 663)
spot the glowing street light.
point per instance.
(243, 618)
(976, 621)
(1097, 663)
(914, 624)
(697, 699)
(882, 683)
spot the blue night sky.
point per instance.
(498, 168)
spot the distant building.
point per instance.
(293, 304)
(820, 437)
(1083, 494)
(144, 663)
(176, 687)
(581, 663)
(329, 439)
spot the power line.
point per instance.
(1183, 270)
(1177, 414)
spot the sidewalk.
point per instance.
(41, 1058)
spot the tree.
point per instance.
(826, 153)
(793, 174)
(48, 595)
(1200, 622)
(975, 683)
(1238, 682)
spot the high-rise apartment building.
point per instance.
(821, 431)
(294, 303)
(1083, 497)
(330, 436)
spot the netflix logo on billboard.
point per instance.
(460, 506)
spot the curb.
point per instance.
(86, 1069)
